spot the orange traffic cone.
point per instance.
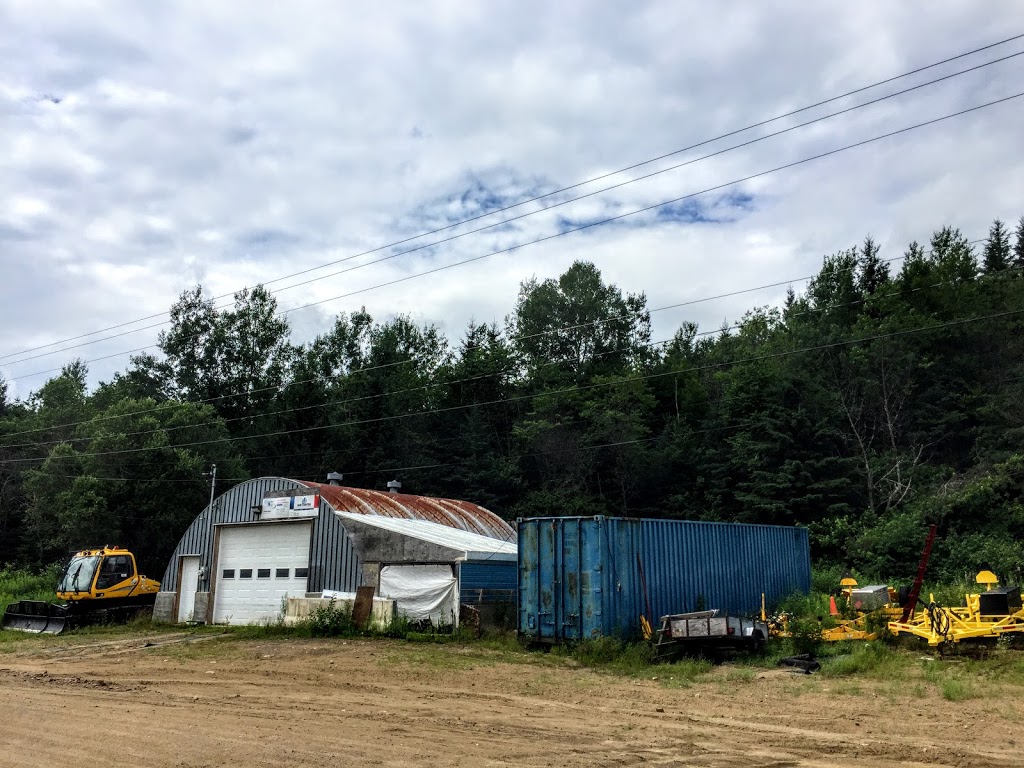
(832, 606)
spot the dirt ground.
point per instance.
(191, 701)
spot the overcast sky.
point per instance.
(148, 147)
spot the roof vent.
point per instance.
(334, 478)
(394, 486)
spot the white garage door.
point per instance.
(258, 566)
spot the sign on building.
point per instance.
(275, 508)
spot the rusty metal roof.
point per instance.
(455, 514)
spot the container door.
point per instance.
(571, 593)
(529, 579)
(592, 591)
(624, 601)
(549, 613)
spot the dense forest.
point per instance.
(886, 396)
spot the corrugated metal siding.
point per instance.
(722, 565)
(581, 577)
(488, 581)
(333, 563)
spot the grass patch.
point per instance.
(633, 659)
(848, 688)
(684, 673)
(739, 675)
(18, 585)
(874, 660)
(958, 689)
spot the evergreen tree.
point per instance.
(997, 249)
(872, 271)
(1018, 248)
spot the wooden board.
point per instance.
(362, 607)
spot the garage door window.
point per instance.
(263, 573)
(301, 573)
(245, 573)
(282, 573)
(229, 573)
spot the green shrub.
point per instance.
(329, 621)
(805, 634)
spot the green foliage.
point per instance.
(25, 585)
(330, 621)
(611, 654)
(875, 659)
(876, 429)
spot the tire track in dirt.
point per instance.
(318, 704)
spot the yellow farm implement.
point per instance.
(991, 614)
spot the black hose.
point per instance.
(939, 619)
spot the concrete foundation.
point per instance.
(163, 608)
(201, 612)
(300, 608)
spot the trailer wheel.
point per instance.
(757, 641)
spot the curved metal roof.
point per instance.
(455, 514)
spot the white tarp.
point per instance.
(422, 591)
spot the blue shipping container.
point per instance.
(584, 577)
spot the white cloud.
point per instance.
(150, 147)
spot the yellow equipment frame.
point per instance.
(938, 624)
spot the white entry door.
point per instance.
(189, 585)
(258, 567)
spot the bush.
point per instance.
(330, 621)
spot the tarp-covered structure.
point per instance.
(430, 570)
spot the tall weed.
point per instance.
(24, 585)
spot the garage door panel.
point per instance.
(279, 551)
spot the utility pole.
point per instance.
(212, 474)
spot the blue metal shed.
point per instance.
(486, 582)
(583, 577)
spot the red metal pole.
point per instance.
(915, 591)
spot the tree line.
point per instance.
(874, 402)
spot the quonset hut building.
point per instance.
(272, 538)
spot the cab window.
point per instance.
(114, 570)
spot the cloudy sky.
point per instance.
(148, 147)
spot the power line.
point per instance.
(466, 380)
(590, 225)
(572, 186)
(519, 337)
(551, 393)
(379, 470)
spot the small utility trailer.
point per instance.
(708, 632)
